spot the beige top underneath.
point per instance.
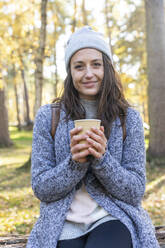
(84, 209)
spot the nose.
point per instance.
(89, 72)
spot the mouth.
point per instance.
(89, 84)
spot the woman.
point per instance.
(90, 193)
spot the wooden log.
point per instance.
(19, 241)
(13, 241)
(160, 235)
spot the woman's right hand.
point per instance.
(79, 151)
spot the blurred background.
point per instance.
(33, 35)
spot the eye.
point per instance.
(78, 67)
(97, 64)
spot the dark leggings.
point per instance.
(111, 234)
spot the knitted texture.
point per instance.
(116, 181)
(85, 38)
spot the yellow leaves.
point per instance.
(18, 206)
(1, 5)
(1, 84)
(17, 221)
(18, 211)
(128, 85)
(156, 209)
(125, 78)
(120, 50)
(1, 81)
(16, 30)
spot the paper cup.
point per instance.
(87, 124)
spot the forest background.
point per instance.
(33, 35)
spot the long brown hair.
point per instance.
(111, 100)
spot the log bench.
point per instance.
(160, 234)
(19, 241)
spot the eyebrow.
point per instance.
(81, 62)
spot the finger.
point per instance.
(75, 131)
(79, 147)
(80, 155)
(77, 138)
(95, 153)
(99, 132)
(103, 134)
(97, 142)
(97, 136)
(97, 146)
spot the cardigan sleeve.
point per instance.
(125, 180)
(51, 181)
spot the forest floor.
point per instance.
(19, 209)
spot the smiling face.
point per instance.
(87, 72)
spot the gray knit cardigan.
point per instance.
(116, 181)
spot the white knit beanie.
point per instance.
(85, 38)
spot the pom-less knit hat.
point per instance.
(85, 38)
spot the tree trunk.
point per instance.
(107, 24)
(40, 57)
(84, 14)
(17, 106)
(56, 72)
(26, 98)
(74, 17)
(155, 28)
(4, 132)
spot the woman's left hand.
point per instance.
(98, 142)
